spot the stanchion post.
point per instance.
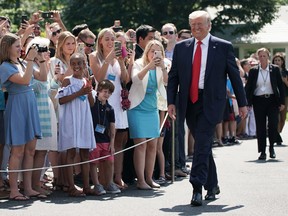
(173, 152)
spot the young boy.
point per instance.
(104, 131)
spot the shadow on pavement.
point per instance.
(189, 210)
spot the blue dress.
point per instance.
(144, 119)
(21, 115)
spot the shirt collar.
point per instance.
(205, 41)
(266, 69)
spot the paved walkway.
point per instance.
(248, 187)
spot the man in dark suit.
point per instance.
(214, 59)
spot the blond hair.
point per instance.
(263, 49)
(147, 49)
(61, 41)
(99, 47)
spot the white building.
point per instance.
(273, 36)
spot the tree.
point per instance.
(251, 16)
(15, 8)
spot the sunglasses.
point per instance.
(37, 28)
(87, 44)
(56, 32)
(169, 32)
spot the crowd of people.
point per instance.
(74, 98)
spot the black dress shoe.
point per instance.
(272, 153)
(196, 199)
(262, 156)
(211, 194)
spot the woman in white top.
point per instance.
(108, 64)
(59, 68)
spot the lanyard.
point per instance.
(264, 79)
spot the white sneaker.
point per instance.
(113, 189)
(99, 189)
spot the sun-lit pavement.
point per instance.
(248, 187)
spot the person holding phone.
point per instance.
(21, 114)
(108, 63)
(52, 30)
(148, 76)
(60, 63)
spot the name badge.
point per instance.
(111, 77)
(100, 128)
(149, 90)
(82, 97)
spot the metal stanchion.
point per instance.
(173, 152)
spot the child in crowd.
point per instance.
(104, 126)
(75, 122)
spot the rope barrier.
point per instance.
(88, 161)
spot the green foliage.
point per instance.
(252, 15)
(99, 13)
(14, 9)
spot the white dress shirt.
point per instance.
(263, 85)
(204, 49)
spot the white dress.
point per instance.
(121, 121)
(75, 119)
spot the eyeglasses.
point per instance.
(56, 32)
(38, 28)
(170, 32)
(87, 44)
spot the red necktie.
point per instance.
(196, 73)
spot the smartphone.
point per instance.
(129, 45)
(61, 68)
(47, 15)
(157, 54)
(117, 48)
(132, 34)
(81, 48)
(24, 18)
(117, 29)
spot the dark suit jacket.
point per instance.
(138, 52)
(276, 83)
(220, 62)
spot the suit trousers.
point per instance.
(266, 108)
(203, 172)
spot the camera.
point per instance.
(117, 26)
(40, 48)
(47, 15)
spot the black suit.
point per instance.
(266, 106)
(202, 116)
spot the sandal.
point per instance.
(76, 193)
(4, 194)
(161, 180)
(19, 198)
(122, 185)
(90, 192)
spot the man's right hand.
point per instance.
(172, 111)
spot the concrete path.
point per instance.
(248, 187)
